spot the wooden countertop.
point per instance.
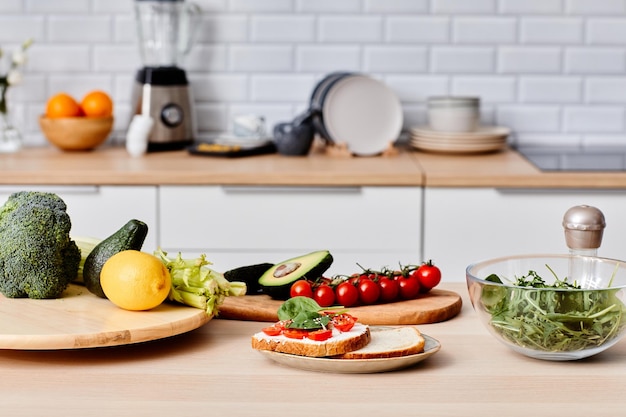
(215, 370)
(113, 166)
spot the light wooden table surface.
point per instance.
(213, 371)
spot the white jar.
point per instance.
(454, 114)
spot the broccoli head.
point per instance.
(38, 259)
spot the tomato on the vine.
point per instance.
(324, 295)
(301, 288)
(369, 291)
(346, 294)
(409, 287)
(428, 275)
(388, 289)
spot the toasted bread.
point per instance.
(340, 343)
(389, 342)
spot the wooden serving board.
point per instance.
(436, 306)
(80, 319)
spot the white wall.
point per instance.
(553, 70)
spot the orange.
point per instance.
(62, 105)
(97, 104)
(135, 280)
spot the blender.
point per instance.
(161, 93)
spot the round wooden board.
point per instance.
(82, 320)
(436, 306)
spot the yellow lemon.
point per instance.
(135, 280)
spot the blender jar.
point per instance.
(165, 29)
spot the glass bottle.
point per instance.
(584, 226)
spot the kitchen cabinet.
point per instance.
(464, 225)
(238, 225)
(98, 211)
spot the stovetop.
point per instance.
(571, 158)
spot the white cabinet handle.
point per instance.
(59, 189)
(246, 189)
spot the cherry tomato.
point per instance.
(301, 288)
(409, 287)
(324, 295)
(320, 335)
(347, 294)
(369, 291)
(428, 275)
(388, 290)
(343, 322)
(295, 333)
(273, 330)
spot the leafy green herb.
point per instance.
(555, 318)
(303, 313)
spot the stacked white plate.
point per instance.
(484, 139)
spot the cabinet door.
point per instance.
(465, 225)
(234, 226)
(98, 211)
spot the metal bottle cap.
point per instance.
(583, 226)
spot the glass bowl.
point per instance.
(551, 323)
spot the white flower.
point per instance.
(19, 57)
(14, 77)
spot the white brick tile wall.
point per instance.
(594, 60)
(281, 28)
(328, 58)
(552, 70)
(350, 29)
(593, 7)
(394, 59)
(596, 119)
(550, 30)
(603, 90)
(530, 7)
(464, 6)
(529, 60)
(418, 29)
(603, 31)
(456, 59)
(550, 89)
(489, 30)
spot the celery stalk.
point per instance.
(195, 284)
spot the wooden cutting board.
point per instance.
(436, 306)
(80, 319)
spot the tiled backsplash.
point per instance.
(552, 70)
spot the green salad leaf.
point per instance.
(558, 317)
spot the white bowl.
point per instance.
(454, 114)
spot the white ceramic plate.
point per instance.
(458, 148)
(480, 133)
(354, 366)
(362, 113)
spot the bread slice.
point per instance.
(340, 343)
(389, 342)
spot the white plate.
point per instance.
(451, 141)
(458, 148)
(481, 132)
(362, 113)
(354, 366)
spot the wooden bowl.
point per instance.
(76, 133)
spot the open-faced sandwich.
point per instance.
(304, 328)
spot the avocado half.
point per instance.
(276, 281)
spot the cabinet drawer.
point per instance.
(280, 221)
(99, 211)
